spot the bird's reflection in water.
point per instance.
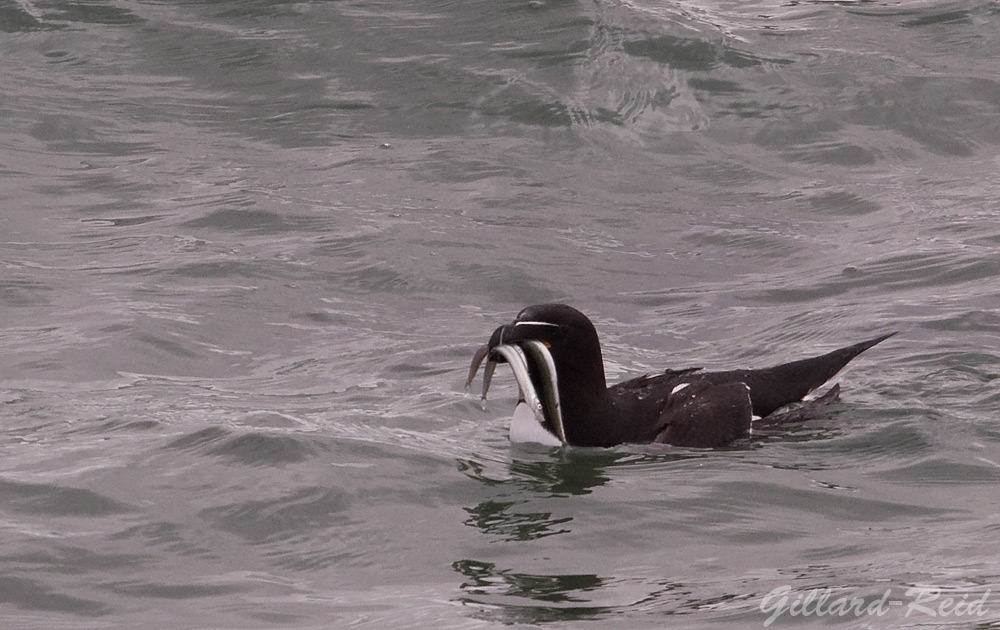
(523, 493)
(519, 504)
(527, 598)
(530, 497)
(501, 519)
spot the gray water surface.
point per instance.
(247, 250)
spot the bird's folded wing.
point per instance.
(705, 415)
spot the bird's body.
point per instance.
(687, 407)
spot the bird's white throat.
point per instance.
(525, 428)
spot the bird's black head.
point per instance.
(576, 369)
(570, 337)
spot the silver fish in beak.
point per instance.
(535, 373)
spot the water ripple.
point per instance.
(58, 501)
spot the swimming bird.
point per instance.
(555, 354)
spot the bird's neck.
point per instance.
(586, 407)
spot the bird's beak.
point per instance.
(535, 373)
